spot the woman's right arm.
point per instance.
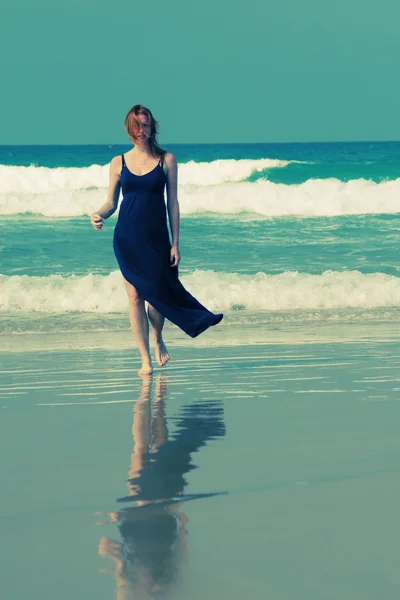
(111, 204)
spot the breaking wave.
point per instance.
(213, 188)
(219, 291)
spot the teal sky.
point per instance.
(211, 71)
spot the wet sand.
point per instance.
(266, 470)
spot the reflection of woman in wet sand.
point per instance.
(153, 531)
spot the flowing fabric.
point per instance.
(142, 248)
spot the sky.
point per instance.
(215, 71)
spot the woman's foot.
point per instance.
(161, 351)
(146, 368)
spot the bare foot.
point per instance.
(162, 355)
(146, 369)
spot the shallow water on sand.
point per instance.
(265, 470)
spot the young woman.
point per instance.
(147, 259)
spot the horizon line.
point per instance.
(209, 143)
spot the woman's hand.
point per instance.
(96, 221)
(175, 256)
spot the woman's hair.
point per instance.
(132, 125)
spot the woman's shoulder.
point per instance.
(116, 161)
(116, 164)
(169, 160)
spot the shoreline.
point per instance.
(219, 336)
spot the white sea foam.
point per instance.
(44, 180)
(75, 195)
(225, 170)
(315, 197)
(219, 291)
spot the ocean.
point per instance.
(263, 461)
(270, 233)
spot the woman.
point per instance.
(146, 258)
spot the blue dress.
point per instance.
(142, 248)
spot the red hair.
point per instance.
(132, 126)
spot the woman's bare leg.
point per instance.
(157, 323)
(139, 326)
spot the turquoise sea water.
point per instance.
(294, 229)
(263, 461)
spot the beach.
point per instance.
(292, 493)
(263, 460)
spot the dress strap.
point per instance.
(123, 161)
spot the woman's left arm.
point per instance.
(173, 206)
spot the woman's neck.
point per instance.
(142, 149)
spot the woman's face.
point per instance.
(144, 131)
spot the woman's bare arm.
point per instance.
(173, 205)
(111, 204)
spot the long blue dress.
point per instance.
(142, 248)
